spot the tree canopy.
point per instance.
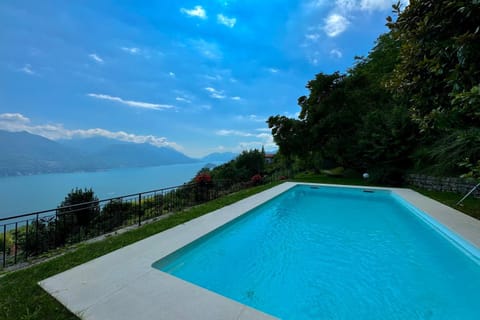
(412, 104)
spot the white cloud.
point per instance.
(131, 103)
(95, 57)
(370, 5)
(27, 68)
(209, 50)
(214, 93)
(17, 117)
(16, 122)
(335, 24)
(336, 53)
(346, 5)
(236, 98)
(265, 139)
(226, 21)
(291, 115)
(316, 3)
(171, 74)
(13, 118)
(250, 117)
(197, 11)
(273, 70)
(182, 99)
(215, 77)
(225, 132)
(131, 50)
(217, 96)
(312, 36)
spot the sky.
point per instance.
(198, 76)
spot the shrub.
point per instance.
(8, 242)
(256, 179)
(203, 178)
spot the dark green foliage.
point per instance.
(6, 241)
(412, 103)
(114, 215)
(242, 168)
(289, 135)
(453, 152)
(250, 163)
(438, 78)
(75, 213)
(351, 120)
(439, 69)
(387, 140)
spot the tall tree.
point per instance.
(439, 68)
(438, 76)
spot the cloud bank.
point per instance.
(16, 122)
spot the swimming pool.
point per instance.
(335, 253)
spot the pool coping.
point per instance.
(124, 285)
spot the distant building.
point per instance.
(269, 157)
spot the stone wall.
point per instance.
(456, 185)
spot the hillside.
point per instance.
(219, 157)
(24, 153)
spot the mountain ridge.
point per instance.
(24, 153)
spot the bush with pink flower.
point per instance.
(203, 178)
(256, 179)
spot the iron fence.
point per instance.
(25, 236)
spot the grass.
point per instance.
(22, 298)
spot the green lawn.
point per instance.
(22, 298)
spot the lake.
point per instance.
(26, 194)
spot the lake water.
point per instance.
(26, 194)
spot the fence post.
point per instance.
(36, 234)
(4, 245)
(139, 209)
(16, 242)
(26, 240)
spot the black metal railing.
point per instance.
(25, 236)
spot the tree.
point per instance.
(250, 163)
(351, 119)
(289, 135)
(439, 67)
(438, 77)
(76, 212)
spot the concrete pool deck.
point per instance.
(124, 285)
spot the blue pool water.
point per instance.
(334, 253)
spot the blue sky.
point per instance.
(198, 76)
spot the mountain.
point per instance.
(219, 157)
(139, 155)
(24, 153)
